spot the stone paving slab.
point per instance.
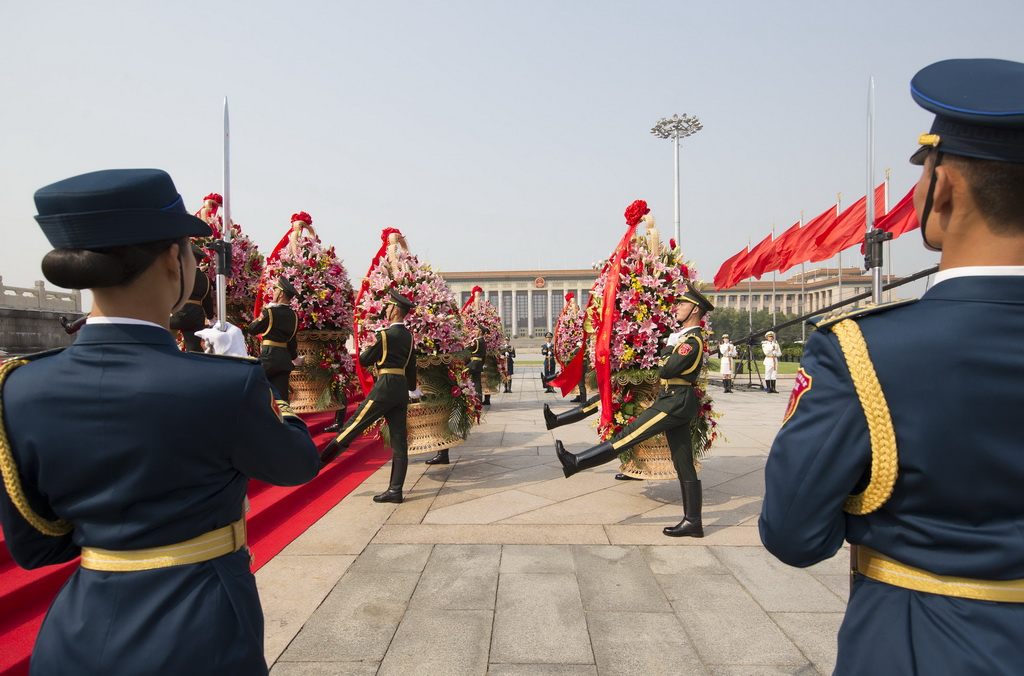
(497, 565)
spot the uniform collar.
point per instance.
(979, 271)
(122, 320)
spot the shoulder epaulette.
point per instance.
(827, 320)
(35, 355)
(244, 360)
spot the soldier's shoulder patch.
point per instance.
(684, 348)
(801, 385)
(827, 320)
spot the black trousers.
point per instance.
(677, 431)
(371, 410)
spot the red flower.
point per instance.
(456, 391)
(636, 211)
(672, 243)
(684, 271)
(302, 216)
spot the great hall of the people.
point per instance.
(529, 302)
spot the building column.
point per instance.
(550, 326)
(529, 313)
(501, 310)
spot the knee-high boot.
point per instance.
(440, 459)
(399, 465)
(553, 420)
(691, 525)
(592, 457)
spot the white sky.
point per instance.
(494, 135)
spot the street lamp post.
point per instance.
(677, 127)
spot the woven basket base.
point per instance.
(427, 428)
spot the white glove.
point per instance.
(415, 394)
(230, 341)
(673, 339)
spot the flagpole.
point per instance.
(750, 299)
(839, 256)
(888, 244)
(773, 280)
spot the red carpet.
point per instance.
(277, 516)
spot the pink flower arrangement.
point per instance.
(568, 334)
(318, 275)
(487, 317)
(246, 268)
(435, 323)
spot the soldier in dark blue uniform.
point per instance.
(547, 352)
(395, 362)
(672, 412)
(135, 455)
(279, 325)
(902, 436)
(477, 355)
(508, 353)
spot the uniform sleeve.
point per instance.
(208, 297)
(271, 443)
(372, 354)
(819, 457)
(28, 547)
(685, 358)
(410, 371)
(260, 325)
(293, 347)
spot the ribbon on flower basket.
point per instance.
(472, 297)
(602, 348)
(364, 378)
(274, 255)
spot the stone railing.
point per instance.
(39, 298)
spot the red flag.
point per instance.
(803, 242)
(902, 218)
(848, 229)
(761, 257)
(784, 246)
(725, 277)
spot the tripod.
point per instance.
(747, 356)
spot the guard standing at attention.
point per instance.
(279, 325)
(477, 354)
(672, 413)
(547, 351)
(198, 308)
(920, 469)
(111, 451)
(395, 363)
(772, 352)
(508, 353)
(728, 353)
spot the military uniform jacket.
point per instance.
(198, 308)
(477, 354)
(393, 350)
(683, 360)
(957, 507)
(139, 445)
(547, 350)
(277, 323)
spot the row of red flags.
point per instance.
(819, 239)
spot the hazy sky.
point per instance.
(495, 135)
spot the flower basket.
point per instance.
(427, 427)
(315, 387)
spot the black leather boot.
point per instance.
(625, 477)
(399, 466)
(691, 525)
(339, 417)
(592, 457)
(440, 459)
(487, 400)
(553, 420)
(392, 494)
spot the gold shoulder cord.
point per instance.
(12, 482)
(876, 411)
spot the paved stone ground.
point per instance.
(496, 564)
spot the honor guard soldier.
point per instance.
(198, 308)
(672, 413)
(547, 351)
(110, 451)
(772, 352)
(920, 469)
(727, 352)
(279, 325)
(508, 353)
(477, 354)
(392, 356)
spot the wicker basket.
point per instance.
(307, 391)
(652, 459)
(427, 428)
